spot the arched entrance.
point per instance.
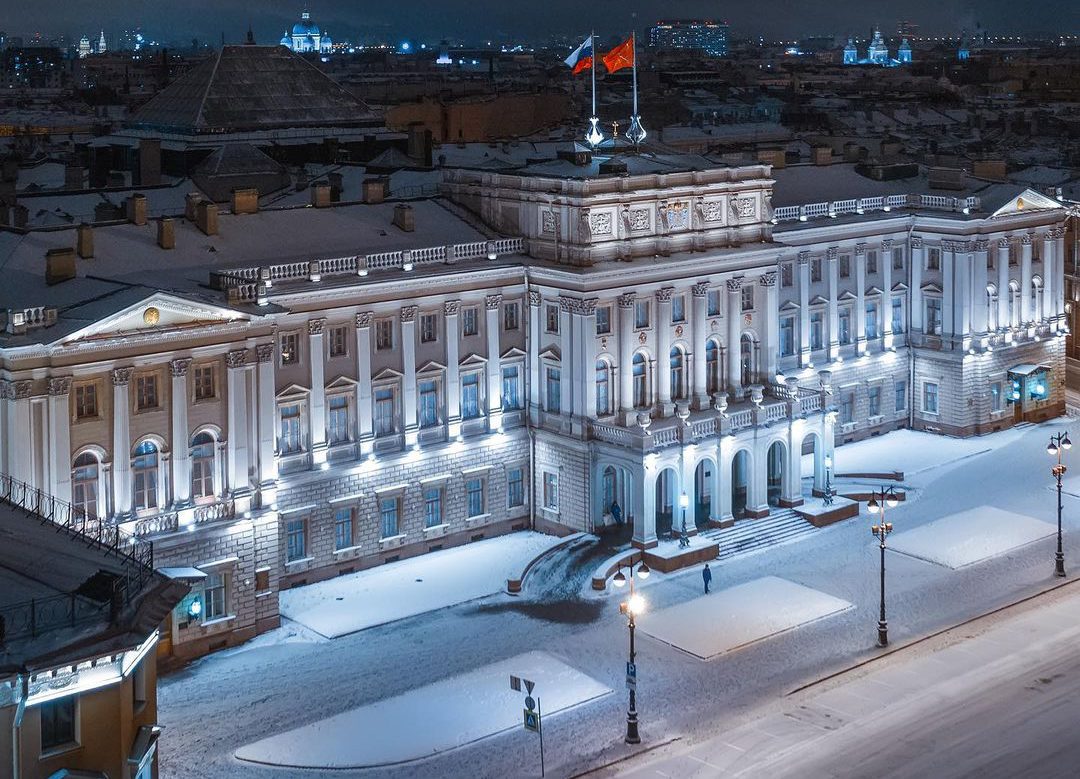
(746, 359)
(775, 473)
(666, 501)
(703, 489)
(813, 460)
(616, 495)
(740, 483)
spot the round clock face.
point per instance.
(151, 316)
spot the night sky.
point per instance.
(368, 20)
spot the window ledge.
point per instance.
(437, 530)
(63, 749)
(392, 541)
(298, 563)
(550, 510)
(478, 518)
(218, 620)
(264, 594)
(347, 550)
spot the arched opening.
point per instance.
(1014, 303)
(604, 403)
(703, 488)
(144, 471)
(678, 373)
(1035, 308)
(617, 497)
(202, 465)
(813, 460)
(775, 473)
(641, 381)
(991, 307)
(712, 365)
(746, 359)
(740, 483)
(666, 502)
(85, 477)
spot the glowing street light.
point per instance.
(881, 531)
(1058, 444)
(631, 607)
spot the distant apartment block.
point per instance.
(706, 35)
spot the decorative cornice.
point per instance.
(587, 307)
(626, 300)
(832, 253)
(768, 279)
(364, 319)
(664, 295)
(735, 284)
(981, 245)
(916, 242)
(701, 289)
(886, 245)
(236, 358)
(21, 390)
(59, 385)
(1004, 242)
(315, 326)
(860, 249)
(804, 258)
(121, 376)
(179, 366)
(408, 314)
(1026, 239)
(492, 302)
(264, 352)
(534, 298)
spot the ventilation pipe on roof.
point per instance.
(59, 265)
(166, 233)
(84, 241)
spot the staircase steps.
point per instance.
(749, 535)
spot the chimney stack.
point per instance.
(320, 195)
(20, 216)
(59, 265)
(166, 233)
(73, 176)
(404, 218)
(84, 241)
(374, 191)
(136, 209)
(206, 215)
(149, 162)
(336, 187)
(191, 202)
(245, 201)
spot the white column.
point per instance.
(948, 287)
(363, 383)
(408, 382)
(698, 334)
(663, 350)
(492, 307)
(734, 311)
(1026, 314)
(772, 324)
(267, 416)
(885, 308)
(566, 366)
(979, 313)
(317, 399)
(585, 346)
(236, 452)
(917, 261)
(1051, 273)
(833, 271)
(181, 450)
(804, 308)
(453, 375)
(860, 299)
(1059, 270)
(121, 454)
(626, 355)
(1003, 283)
(60, 438)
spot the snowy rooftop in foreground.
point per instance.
(970, 536)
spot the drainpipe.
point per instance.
(527, 385)
(16, 725)
(911, 350)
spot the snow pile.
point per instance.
(728, 619)
(431, 719)
(970, 536)
(408, 587)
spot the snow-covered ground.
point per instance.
(728, 619)
(405, 588)
(971, 536)
(430, 719)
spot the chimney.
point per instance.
(374, 191)
(166, 233)
(84, 241)
(59, 265)
(404, 219)
(191, 202)
(336, 187)
(245, 201)
(320, 195)
(206, 214)
(823, 155)
(73, 176)
(136, 209)
(20, 216)
(149, 162)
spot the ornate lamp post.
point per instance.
(1058, 443)
(631, 607)
(827, 498)
(684, 501)
(881, 531)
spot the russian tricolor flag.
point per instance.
(582, 57)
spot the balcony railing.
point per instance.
(865, 205)
(171, 521)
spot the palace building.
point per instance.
(278, 396)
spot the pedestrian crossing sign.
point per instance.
(532, 720)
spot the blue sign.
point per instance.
(532, 720)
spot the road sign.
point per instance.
(532, 720)
(515, 683)
(631, 675)
(530, 704)
(528, 686)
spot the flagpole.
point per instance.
(592, 45)
(636, 132)
(633, 37)
(594, 136)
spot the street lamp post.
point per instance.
(1058, 443)
(881, 531)
(684, 501)
(827, 499)
(631, 607)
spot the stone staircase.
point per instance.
(749, 535)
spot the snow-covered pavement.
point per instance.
(405, 588)
(971, 536)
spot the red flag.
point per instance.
(622, 56)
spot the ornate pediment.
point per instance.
(158, 313)
(1028, 200)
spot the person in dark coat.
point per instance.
(706, 576)
(616, 513)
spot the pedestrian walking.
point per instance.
(616, 513)
(706, 575)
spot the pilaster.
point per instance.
(181, 446)
(492, 308)
(364, 410)
(317, 399)
(59, 443)
(698, 334)
(451, 309)
(236, 452)
(121, 378)
(408, 364)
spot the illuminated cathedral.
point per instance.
(306, 37)
(877, 53)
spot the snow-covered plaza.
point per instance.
(416, 683)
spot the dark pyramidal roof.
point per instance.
(246, 88)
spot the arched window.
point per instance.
(991, 307)
(84, 485)
(712, 366)
(202, 466)
(678, 373)
(1036, 299)
(144, 470)
(746, 359)
(1014, 303)
(641, 381)
(603, 388)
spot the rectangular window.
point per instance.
(215, 604)
(289, 345)
(86, 401)
(433, 506)
(874, 397)
(429, 403)
(933, 316)
(787, 275)
(474, 494)
(429, 328)
(898, 315)
(900, 395)
(57, 722)
(384, 411)
(845, 266)
(388, 516)
(295, 540)
(511, 316)
(515, 487)
(847, 407)
(551, 318)
(337, 423)
(1014, 255)
(146, 393)
(898, 259)
(204, 382)
(995, 396)
(384, 334)
(603, 320)
(815, 269)
(339, 341)
(845, 326)
(816, 330)
(551, 491)
(554, 390)
(930, 397)
(343, 528)
(291, 440)
(933, 259)
(787, 336)
(871, 320)
(715, 298)
(871, 261)
(641, 314)
(678, 308)
(470, 321)
(470, 395)
(511, 387)
(990, 260)
(747, 294)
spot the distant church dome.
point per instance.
(286, 40)
(305, 26)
